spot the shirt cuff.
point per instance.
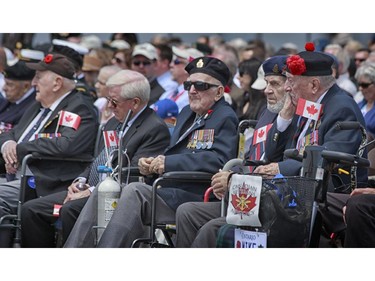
(283, 124)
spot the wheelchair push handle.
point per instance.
(345, 158)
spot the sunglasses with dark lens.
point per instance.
(364, 85)
(118, 60)
(198, 85)
(138, 63)
(113, 102)
(177, 61)
(360, 60)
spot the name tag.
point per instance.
(249, 239)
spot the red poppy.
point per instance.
(208, 113)
(48, 58)
(296, 65)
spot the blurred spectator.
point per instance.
(122, 58)
(144, 61)
(163, 73)
(131, 38)
(105, 112)
(181, 57)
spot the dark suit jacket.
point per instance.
(11, 113)
(147, 137)
(53, 176)
(337, 106)
(179, 157)
(266, 118)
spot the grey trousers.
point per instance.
(9, 193)
(128, 222)
(197, 224)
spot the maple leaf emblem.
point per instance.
(243, 203)
(68, 118)
(112, 137)
(311, 110)
(261, 134)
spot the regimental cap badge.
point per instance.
(275, 69)
(200, 63)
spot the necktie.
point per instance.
(101, 159)
(32, 131)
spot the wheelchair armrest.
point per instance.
(188, 176)
(83, 158)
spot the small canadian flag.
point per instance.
(110, 138)
(56, 210)
(69, 119)
(308, 109)
(260, 134)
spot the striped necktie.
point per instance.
(32, 131)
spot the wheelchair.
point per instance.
(311, 188)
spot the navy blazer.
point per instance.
(53, 176)
(180, 156)
(337, 106)
(147, 137)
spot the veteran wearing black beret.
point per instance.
(204, 139)
(19, 94)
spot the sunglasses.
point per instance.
(364, 85)
(113, 102)
(144, 63)
(360, 60)
(118, 60)
(198, 85)
(177, 61)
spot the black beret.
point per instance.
(310, 63)
(210, 66)
(275, 65)
(19, 71)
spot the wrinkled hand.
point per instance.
(219, 183)
(74, 193)
(10, 157)
(270, 169)
(157, 165)
(144, 165)
(289, 108)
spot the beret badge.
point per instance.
(275, 69)
(200, 63)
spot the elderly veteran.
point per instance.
(197, 222)
(204, 139)
(61, 122)
(19, 94)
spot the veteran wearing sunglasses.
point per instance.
(204, 139)
(365, 76)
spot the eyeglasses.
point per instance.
(115, 103)
(360, 60)
(138, 63)
(364, 85)
(198, 85)
(178, 61)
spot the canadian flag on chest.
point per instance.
(260, 134)
(69, 119)
(110, 138)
